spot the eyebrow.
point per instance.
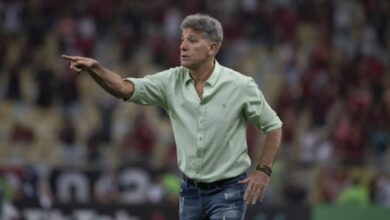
(191, 36)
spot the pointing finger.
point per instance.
(70, 58)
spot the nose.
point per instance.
(183, 46)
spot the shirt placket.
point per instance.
(200, 137)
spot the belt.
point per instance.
(205, 186)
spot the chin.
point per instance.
(186, 64)
(189, 65)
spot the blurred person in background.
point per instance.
(209, 106)
(294, 191)
(106, 189)
(355, 194)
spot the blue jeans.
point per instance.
(223, 202)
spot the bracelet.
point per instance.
(265, 169)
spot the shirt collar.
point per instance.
(212, 80)
(187, 77)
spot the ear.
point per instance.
(213, 48)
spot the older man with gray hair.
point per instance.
(209, 106)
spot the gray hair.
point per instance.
(210, 27)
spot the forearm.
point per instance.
(111, 82)
(270, 147)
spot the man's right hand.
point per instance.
(107, 79)
(79, 64)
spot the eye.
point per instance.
(192, 40)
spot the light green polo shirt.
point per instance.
(210, 133)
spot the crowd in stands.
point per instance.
(323, 65)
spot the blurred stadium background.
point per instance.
(70, 151)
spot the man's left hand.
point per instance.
(257, 184)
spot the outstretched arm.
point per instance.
(107, 79)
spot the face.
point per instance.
(195, 50)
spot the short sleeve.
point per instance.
(150, 90)
(257, 110)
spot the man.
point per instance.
(208, 105)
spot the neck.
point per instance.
(203, 72)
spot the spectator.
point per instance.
(29, 185)
(69, 94)
(14, 89)
(93, 152)
(72, 154)
(107, 188)
(294, 192)
(355, 194)
(106, 108)
(46, 83)
(381, 189)
(21, 134)
(141, 137)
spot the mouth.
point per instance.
(184, 57)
